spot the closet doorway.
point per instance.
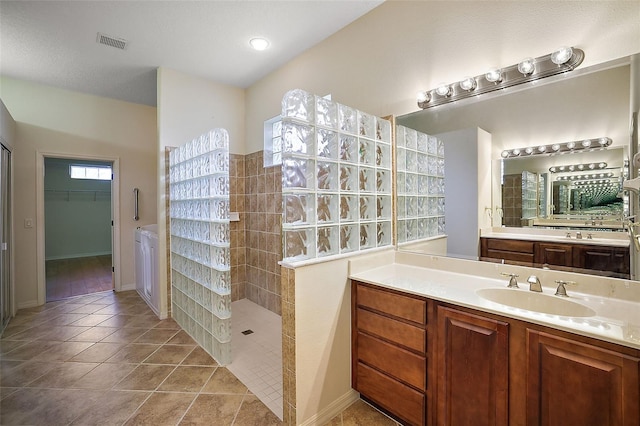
(78, 227)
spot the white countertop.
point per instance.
(616, 320)
(611, 239)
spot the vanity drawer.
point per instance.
(510, 245)
(391, 395)
(404, 334)
(397, 362)
(393, 304)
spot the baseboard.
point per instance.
(28, 304)
(325, 415)
(77, 256)
(127, 287)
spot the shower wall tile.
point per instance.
(237, 185)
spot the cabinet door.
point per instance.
(572, 383)
(472, 369)
(612, 259)
(554, 254)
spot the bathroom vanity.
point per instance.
(433, 347)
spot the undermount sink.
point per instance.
(535, 302)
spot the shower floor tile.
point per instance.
(257, 357)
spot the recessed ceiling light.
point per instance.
(259, 43)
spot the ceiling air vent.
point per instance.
(118, 43)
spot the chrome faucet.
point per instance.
(513, 283)
(579, 235)
(562, 291)
(534, 284)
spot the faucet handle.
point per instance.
(513, 283)
(534, 284)
(562, 291)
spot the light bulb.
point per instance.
(592, 166)
(516, 151)
(562, 168)
(562, 55)
(571, 145)
(528, 150)
(586, 143)
(526, 66)
(259, 43)
(555, 146)
(443, 89)
(494, 75)
(505, 154)
(468, 83)
(423, 97)
(580, 166)
(571, 168)
(602, 165)
(542, 148)
(552, 169)
(604, 141)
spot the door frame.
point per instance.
(40, 217)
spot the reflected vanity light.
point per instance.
(563, 148)
(587, 177)
(572, 167)
(530, 69)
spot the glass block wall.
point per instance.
(420, 185)
(200, 260)
(336, 178)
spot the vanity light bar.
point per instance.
(586, 177)
(529, 69)
(558, 148)
(578, 167)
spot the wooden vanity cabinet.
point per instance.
(431, 363)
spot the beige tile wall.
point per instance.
(237, 203)
(288, 347)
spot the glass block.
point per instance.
(433, 166)
(366, 125)
(348, 178)
(401, 186)
(299, 243)
(433, 226)
(367, 151)
(327, 176)
(402, 211)
(400, 142)
(433, 206)
(383, 207)
(218, 161)
(422, 161)
(432, 148)
(348, 149)
(347, 119)
(297, 138)
(276, 142)
(441, 209)
(383, 181)
(423, 228)
(440, 167)
(411, 161)
(219, 209)
(220, 281)
(327, 208)
(298, 173)
(440, 148)
(349, 239)
(327, 240)
(401, 159)
(411, 184)
(383, 155)
(367, 207)
(411, 205)
(441, 227)
(276, 129)
(411, 139)
(298, 104)
(218, 233)
(326, 113)
(433, 186)
(411, 228)
(422, 141)
(383, 130)
(218, 139)
(402, 231)
(327, 144)
(217, 184)
(367, 235)
(220, 258)
(221, 305)
(383, 235)
(366, 179)
(348, 208)
(440, 186)
(298, 209)
(423, 206)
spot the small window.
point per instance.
(273, 142)
(90, 172)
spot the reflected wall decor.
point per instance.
(200, 260)
(336, 178)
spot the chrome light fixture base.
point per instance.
(504, 77)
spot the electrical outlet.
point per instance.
(28, 223)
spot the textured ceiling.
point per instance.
(54, 42)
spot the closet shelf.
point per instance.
(68, 192)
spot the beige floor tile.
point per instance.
(169, 354)
(98, 352)
(33, 406)
(104, 376)
(65, 319)
(4, 392)
(63, 351)
(162, 409)
(62, 333)
(7, 346)
(169, 323)
(156, 335)
(91, 320)
(144, 321)
(199, 357)
(87, 309)
(117, 321)
(213, 410)
(187, 379)
(253, 412)
(336, 421)
(114, 408)
(30, 350)
(181, 338)
(124, 335)
(94, 334)
(25, 373)
(145, 377)
(133, 353)
(63, 376)
(222, 381)
(360, 413)
(6, 365)
(31, 333)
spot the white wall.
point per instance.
(73, 124)
(7, 127)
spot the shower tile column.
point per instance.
(237, 200)
(288, 346)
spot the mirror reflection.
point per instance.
(530, 198)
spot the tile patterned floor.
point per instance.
(106, 359)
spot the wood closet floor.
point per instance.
(74, 277)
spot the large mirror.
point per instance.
(588, 103)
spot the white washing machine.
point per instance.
(146, 265)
